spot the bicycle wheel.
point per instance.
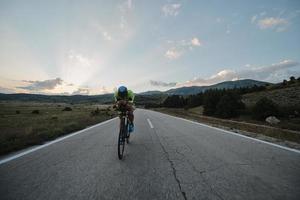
(121, 139)
(127, 133)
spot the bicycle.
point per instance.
(123, 133)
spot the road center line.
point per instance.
(149, 122)
(5, 160)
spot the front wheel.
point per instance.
(121, 140)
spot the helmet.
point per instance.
(122, 91)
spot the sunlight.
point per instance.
(78, 69)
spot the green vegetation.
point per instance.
(246, 107)
(174, 101)
(230, 105)
(264, 108)
(28, 123)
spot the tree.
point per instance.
(292, 79)
(174, 101)
(211, 99)
(264, 108)
(194, 100)
(229, 106)
(284, 82)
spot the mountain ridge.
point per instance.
(108, 98)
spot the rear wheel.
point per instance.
(121, 139)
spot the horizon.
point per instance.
(59, 94)
(63, 48)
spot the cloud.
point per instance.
(81, 91)
(162, 84)
(6, 90)
(264, 73)
(195, 42)
(279, 24)
(173, 54)
(253, 19)
(107, 36)
(42, 85)
(79, 58)
(219, 20)
(171, 9)
(177, 48)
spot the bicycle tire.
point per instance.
(121, 139)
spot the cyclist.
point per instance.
(124, 97)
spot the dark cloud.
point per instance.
(42, 85)
(162, 84)
(81, 91)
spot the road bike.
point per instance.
(123, 133)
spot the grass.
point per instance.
(239, 124)
(20, 127)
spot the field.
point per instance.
(29, 123)
(288, 96)
(281, 133)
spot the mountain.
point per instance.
(152, 92)
(141, 98)
(222, 85)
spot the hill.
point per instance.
(287, 96)
(222, 85)
(149, 97)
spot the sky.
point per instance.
(94, 46)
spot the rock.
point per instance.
(272, 120)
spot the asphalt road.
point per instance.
(168, 158)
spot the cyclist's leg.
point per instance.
(130, 113)
(130, 117)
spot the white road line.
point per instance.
(5, 160)
(236, 134)
(149, 122)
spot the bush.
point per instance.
(18, 112)
(292, 79)
(95, 112)
(67, 109)
(35, 112)
(54, 117)
(229, 106)
(264, 108)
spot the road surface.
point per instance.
(168, 158)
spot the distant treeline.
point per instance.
(226, 103)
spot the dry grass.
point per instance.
(274, 132)
(20, 128)
(289, 96)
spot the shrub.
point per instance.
(54, 117)
(292, 79)
(35, 112)
(95, 112)
(229, 106)
(18, 112)
(284, 82)
(67, 109)
(264, 108)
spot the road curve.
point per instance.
(168, 158)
